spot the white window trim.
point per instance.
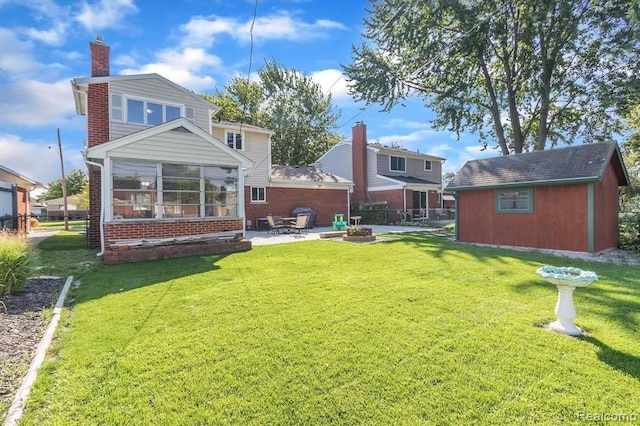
(430, 165)
(244, 141)
(124, 98)
(405, 163)
(258, 201)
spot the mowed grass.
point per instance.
(64, 254)
(413, 331)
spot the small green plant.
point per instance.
(15, 256)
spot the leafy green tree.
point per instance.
(301, 116)
(241, 101)
(630, 195)
(525, 73)
(76, 181)
(289, 103)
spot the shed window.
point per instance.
(517, 201)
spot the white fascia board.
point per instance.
(385, 188)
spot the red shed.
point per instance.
(563, 199)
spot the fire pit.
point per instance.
(566, 279)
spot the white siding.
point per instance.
(154, 89)
(373, 180)
(338, 161)
(256, 149)
(175, 146)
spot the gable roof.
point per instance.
(180, 124)
(574, 164)
(307, 177)
(80, 85)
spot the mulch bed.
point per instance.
(22, 325)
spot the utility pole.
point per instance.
(64, 186)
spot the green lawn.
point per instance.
(414, 331)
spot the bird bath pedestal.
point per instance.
(566, 279)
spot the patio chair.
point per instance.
(274, 228)
(302, 223)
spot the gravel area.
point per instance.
(22, 324)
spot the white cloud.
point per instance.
(44, 12)
(185, 67)
(333, 80)
(33, 159)
(54, 36)
(32, 103)
(201, 31)
(105, 14)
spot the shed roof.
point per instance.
(573, 164)
(307, 176)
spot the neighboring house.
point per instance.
(54, 208)
(410, 182)
(15, 203)
(161, 170)
(279, 189)
(564, 199)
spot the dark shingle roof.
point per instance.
(410, 179)
(571, 164)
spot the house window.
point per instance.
(258, 194)
(427, 165)
(234, 140)
(516, 201)
(149, 190)
(139, 111)
(397, 164)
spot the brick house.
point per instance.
(161, 170)
(409, 182)
(563, 199)
(15, 207)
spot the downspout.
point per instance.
(101, 205)
(349, 204)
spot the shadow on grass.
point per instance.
(66, 240)
(621, 361)
(104, 280)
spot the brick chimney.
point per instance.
(97, 130)
(99, 57)
(359, 161)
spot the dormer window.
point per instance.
(145, 112)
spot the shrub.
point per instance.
(34, 222)
(630, 231)
(15, 256)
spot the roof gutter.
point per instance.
(528, 183)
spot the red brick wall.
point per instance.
(395, 202)
(606, 210)
(128, 254)
(131, 230)
(558, 221)
(281, 201)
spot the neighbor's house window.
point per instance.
(150, 190)
(517, 201)
(234, 140)
(140, 111)
(258, 194)
(397, 164)
(427, 164)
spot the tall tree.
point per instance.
(525, 73)
(76, 181)
(241, 101)
(289, 103)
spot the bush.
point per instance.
(34, 222)
(630, 231)
(15, 256)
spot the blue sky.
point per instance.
(199, 44)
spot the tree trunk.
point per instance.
(495, 112)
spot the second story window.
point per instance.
(139, 111)
(427, 164)
(397, 164)
(234, 140)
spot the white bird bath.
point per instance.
(566, 279)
